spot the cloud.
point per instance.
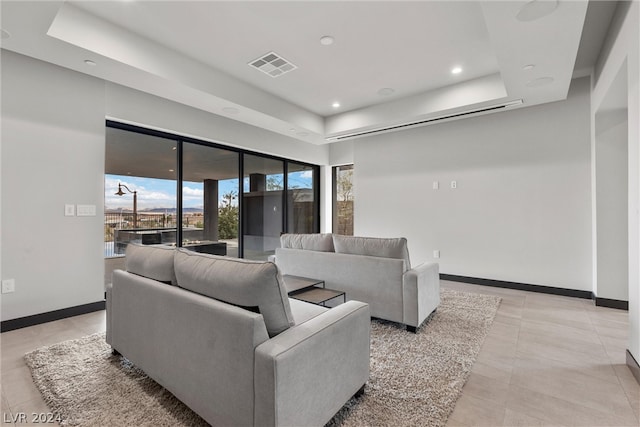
(307, 174)
(192, 192)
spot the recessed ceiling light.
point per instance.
(528, 67)
(336, 105)
(456, 70)
(4, 34)
(231, 110)
(171, 170)
(90, 62)
(385, 91)
(542, 81)
(326, 40)
(536, 9)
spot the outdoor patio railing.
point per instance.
(115, 240)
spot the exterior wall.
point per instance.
(521, 209)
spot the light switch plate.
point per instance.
(86, 210)
(69, 210)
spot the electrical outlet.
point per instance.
(454, 184)
(436, 185)
(8, 286)
(436, 253)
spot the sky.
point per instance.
(161, 193)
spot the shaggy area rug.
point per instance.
(415, 379)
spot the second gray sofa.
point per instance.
(373, 270)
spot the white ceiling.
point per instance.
(364, 57)
(196, 53)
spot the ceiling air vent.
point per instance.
(272, 64)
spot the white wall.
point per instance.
(521, 211)
(52, 154)
(135, 107)
(341, 153)
(326, 199)
(623, 44)
(611, 192)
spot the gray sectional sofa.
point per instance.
(373, 270)
(222, 336)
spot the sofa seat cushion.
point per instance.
(240, 282)
(321, 242)
(303, 311)
(373, 246)
(152, 262)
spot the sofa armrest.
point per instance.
(304, 375)
(420, 293)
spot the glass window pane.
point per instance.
(210, 183)
(263, 187)
(140, 190)
(301, 200)
(343, 200)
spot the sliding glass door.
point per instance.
(302, 199)
(210, 199)
(140, 190)
(262, 206)
(166, 189)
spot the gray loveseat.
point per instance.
(222, 336)
(374, 270)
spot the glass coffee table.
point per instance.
(310, 290)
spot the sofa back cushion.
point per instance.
(321, 242)
(373, 246)
(152, 262)
(240, 282)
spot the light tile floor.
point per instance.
(18, 393)
(547, 361)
